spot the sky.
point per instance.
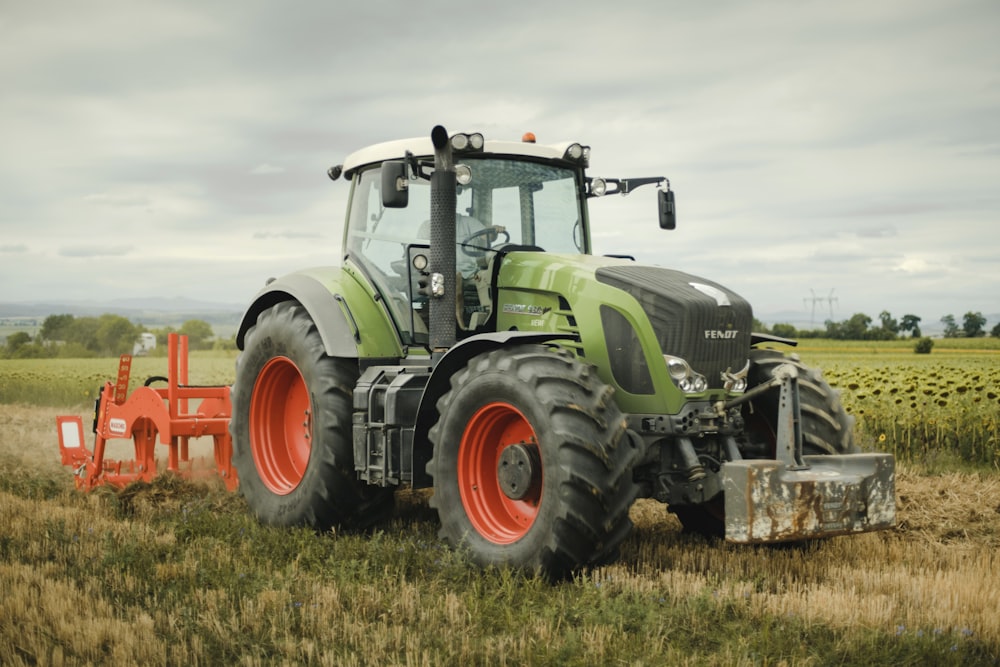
(827, 158)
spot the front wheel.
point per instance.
(291, 427)
(532, 464)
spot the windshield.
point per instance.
(536, 205)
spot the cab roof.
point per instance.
(421, 147)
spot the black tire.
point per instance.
(291, 427)
(550, 417)
(826, 429)
(826, 426)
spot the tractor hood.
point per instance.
(637, 313)
(694, 318)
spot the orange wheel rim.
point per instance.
(280, 425)
(494, 432)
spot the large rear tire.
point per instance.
(532, 464)
(826, 429)
(291, 427)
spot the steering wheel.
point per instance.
(472, 250)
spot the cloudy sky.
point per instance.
(817, 149)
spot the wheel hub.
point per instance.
(517, 470)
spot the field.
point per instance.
(178, 572)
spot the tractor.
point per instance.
(471, 343)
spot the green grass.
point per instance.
(77, 382)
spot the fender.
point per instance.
(338, 305)
(440, 381)
(758, 338)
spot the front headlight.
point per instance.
(736, 382)
(685, 377)
(578, 153)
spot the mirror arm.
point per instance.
(630, 184)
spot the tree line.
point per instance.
(862, 327)
(69, 337)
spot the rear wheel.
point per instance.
(826, 429)
(532, 465)
(291, 427)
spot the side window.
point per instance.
(377, 238)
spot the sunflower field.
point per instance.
(922, 408)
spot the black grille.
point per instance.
(689, 322)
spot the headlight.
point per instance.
(463, 174)
(686, 379)
(598, 187)
(578, 153)
(467, 142)
(736, 382)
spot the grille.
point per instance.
(689, 322)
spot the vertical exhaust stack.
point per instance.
(442, 268)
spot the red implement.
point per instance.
(145, 416)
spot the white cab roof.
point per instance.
(422, 147)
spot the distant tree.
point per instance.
(810, 333)
(115, 335)
(923, 346)
(161, 335)
(20, 346)
(834, 330)
(856, 328)
(910, 323)
(759, 326)
(226, 344)
(889, 324)
(973, 323)
(784, 330)
(951, 329)
(995, 332)
(16, 341)
(56, 327)
(83, 330)
(199, 333)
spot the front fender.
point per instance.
(339, 305)
(440, 381)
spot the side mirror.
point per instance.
(395, 185)
(668, 214)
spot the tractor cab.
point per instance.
(515, 197)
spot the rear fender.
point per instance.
(340, 308)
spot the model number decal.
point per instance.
(524, 309)
(116, 425)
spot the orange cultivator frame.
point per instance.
(146, 414)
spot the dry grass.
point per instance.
(178, 573)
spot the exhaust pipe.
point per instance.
(442, 253)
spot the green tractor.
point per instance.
(471, 343)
